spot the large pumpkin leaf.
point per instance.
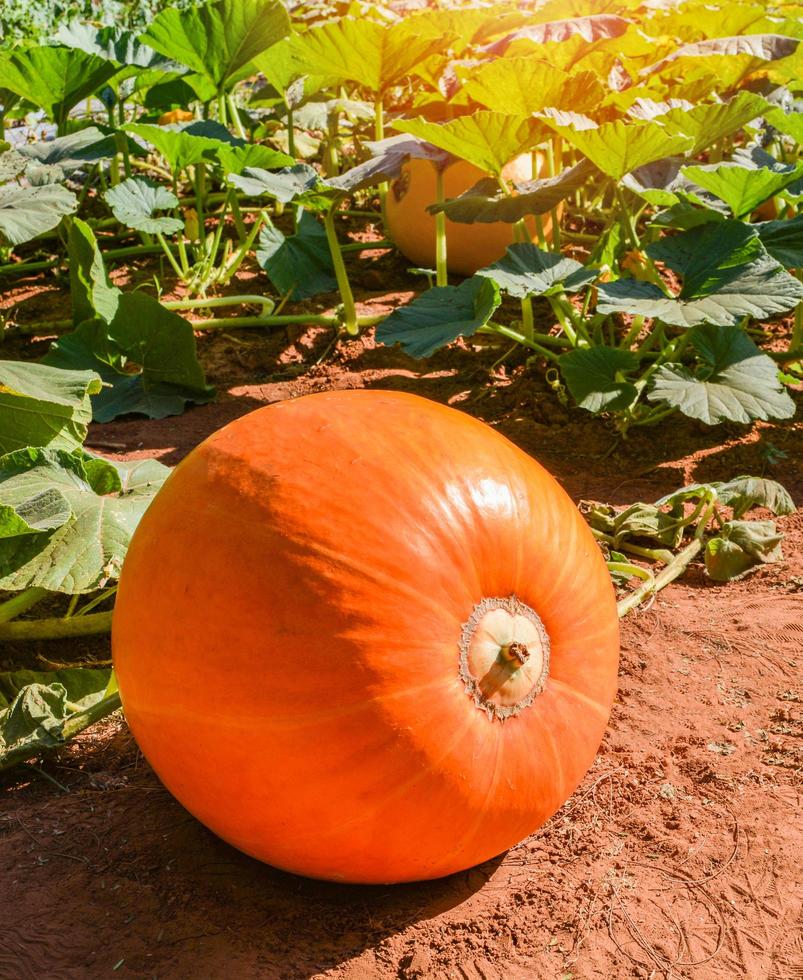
(376, 56)
(487, 139)
(299, 264)
(234, 159)
(106, 499)
(218, 40)
(692, 21)
(54, 78)
(618, 147)
(743, 189)
(111, 43)
(136, 201)
(43, 406)
(440, 315)
(521, 86)
(789, 123)
(741, 546)
(783, 240)
(709, 122)
(65, 154)
(26, 212)
(525, 270)
(596, 377)
(588, 29)
(737, 383)
(743, 493)
(727, 275)
(766, 47)
(184, 145)
(300, 183)
(145, 355)
(41, 710)
(91, 291)
(44, 511)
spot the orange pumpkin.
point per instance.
(468, 246)
(175, 116)
(363, 637)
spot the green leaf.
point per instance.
(145, 356)
(44, 511)
(738, 383)
(487, 202)
(235, 159)
(663, 184)
(56, 79)
(595, 377)
(766, 47)
(26, 212)
(86, 552)
(727, 275)
(91, 290)
(300, 183)
(745, 492)
(740, 547)
(525, 270)
(742, 189)
(41, 710)
(647, 521)
(299, 264)
(44, 406)
(590, 29)
(111, 43)
(789, 123)
(135, 201)
(65, 154)
(525, 85)
(487, 139)
(708, 258)
(218, 40)
(783, 240)
(374, 55)
(618, 147)
(440, 315)
(184, 145)
(710, 122)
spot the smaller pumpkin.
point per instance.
(468, 246)
(175, 116)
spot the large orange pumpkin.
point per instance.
(363, 637)
(468, 246)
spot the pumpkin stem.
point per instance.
(516, 651)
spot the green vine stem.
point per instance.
(291, 134)
(234, 113)
(57, 628)
(627, 218)
(673, 570)
(83, 719)
(512, 334)
(441, 270)
(212, 323)
(654, 554)
(20, 603)
(350, 321)
(527, 323)
(379, 134)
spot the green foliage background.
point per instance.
(24, 19)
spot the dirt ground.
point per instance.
(677, 857)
